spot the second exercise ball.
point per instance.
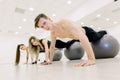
(57, 55)
(74, 52)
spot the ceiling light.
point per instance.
(31, 9)
(99, 28)
(24, 20)
(16, 32)
(19, 27)
(69, 2)
(98, 15)
(53, 15)
(107, 19)
(115, 22)
(82, 23)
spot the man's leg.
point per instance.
(69, 43)
(92, 35)
(60, 44)
(102, 33)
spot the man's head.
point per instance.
(42, 21)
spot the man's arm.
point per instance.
(78, 33)
(46, 49)
(52, 47)
(88, 48)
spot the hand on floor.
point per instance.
(85, 63)
(25, 63)
(46, 63)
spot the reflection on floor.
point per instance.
(105, 69)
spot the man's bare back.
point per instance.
(67, 29)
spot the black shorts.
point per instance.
(92, 35)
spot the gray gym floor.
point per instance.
(104, 69)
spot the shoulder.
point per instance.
(65, 20)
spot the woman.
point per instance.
(21, 47)
(43, 45)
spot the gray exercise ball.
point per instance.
(74, 52)
(106, 47)
(57, 55)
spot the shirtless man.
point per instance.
(65, 29)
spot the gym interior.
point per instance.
(17, 26)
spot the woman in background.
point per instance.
(21, 47)
(43, 45)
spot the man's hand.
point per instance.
(86, 63)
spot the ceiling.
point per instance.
(17, 16)
(105, 17)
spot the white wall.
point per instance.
(89, 7)
(114, 31)
(8, 45)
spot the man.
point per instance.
(66, 29)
